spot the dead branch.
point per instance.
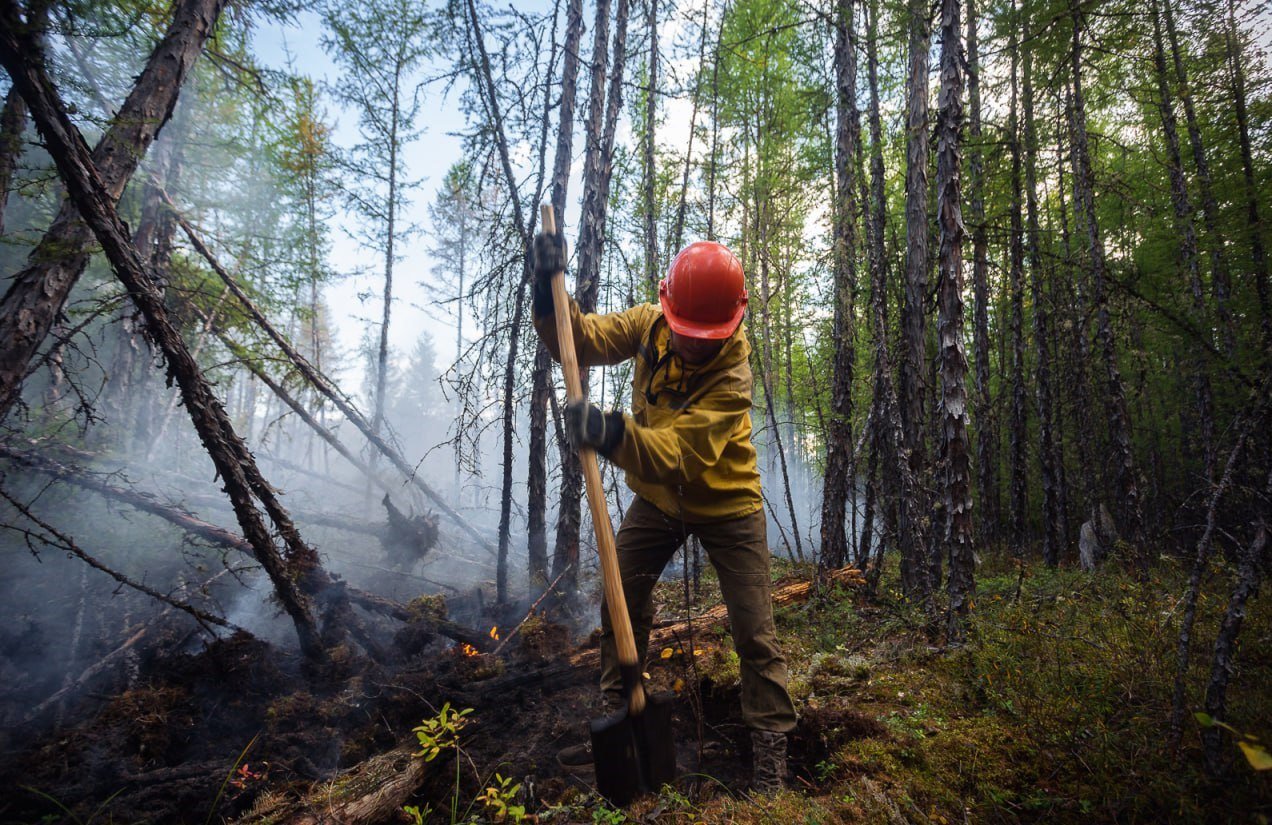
(508, 636)
(292, 574)
(56, 538)
(221, 537)
(315, 378)
(373, 791)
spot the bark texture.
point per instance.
(227, 450)
(955, 455)
(913, 390)
(36, 295)
(836, 491)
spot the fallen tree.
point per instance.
(37, 293)
(373, 791)
(296, 575)
(324, 385)
(220, 537)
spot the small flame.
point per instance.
(494, 633)
(468, 650)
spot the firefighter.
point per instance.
(686, 449)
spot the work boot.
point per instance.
(768, 761)
(576, 756)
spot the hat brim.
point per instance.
(697, 329)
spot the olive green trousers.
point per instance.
(738, 549)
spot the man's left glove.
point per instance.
(548, 255)
(587, 425)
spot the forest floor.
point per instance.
(1054, 711)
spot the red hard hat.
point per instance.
(704, 293)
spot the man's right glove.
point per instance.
(547, 257)
(587, 425)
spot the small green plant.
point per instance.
(825, 769)
(418, 816)
(498, 800)
(602, 814)
(67, 811)
(440, 732)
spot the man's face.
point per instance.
(695, 350)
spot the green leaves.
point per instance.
(1254, 752)
(440, 732)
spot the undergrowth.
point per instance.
(1055, 710)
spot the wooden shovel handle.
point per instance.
(620, 621)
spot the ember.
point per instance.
(467, 649)
(494, 633)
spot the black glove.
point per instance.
(587, 425)
(547, 258)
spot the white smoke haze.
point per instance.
(108, 399)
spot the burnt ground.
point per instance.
(203, 736)
(1054, 711)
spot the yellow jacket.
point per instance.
(687, 448)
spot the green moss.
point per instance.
(428, 607)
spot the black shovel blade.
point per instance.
(634, 755)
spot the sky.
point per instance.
(356, 299)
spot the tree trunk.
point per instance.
(1126, 487)
(602, 119)
(1017, 435)
(678, 230)
(835, 490)
(1188, 256)
(983, 410)
(1257, 413)
(390, 230)
(1249, 574)
(36, 294)
(13, 119)
(233, 461)
(1050, 458)
(955, 455)
(914, 568)
(647, 150)
(1254, 225)
(541, 377)
(490, 98)
(1221, 281)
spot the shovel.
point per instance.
(632, 749)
